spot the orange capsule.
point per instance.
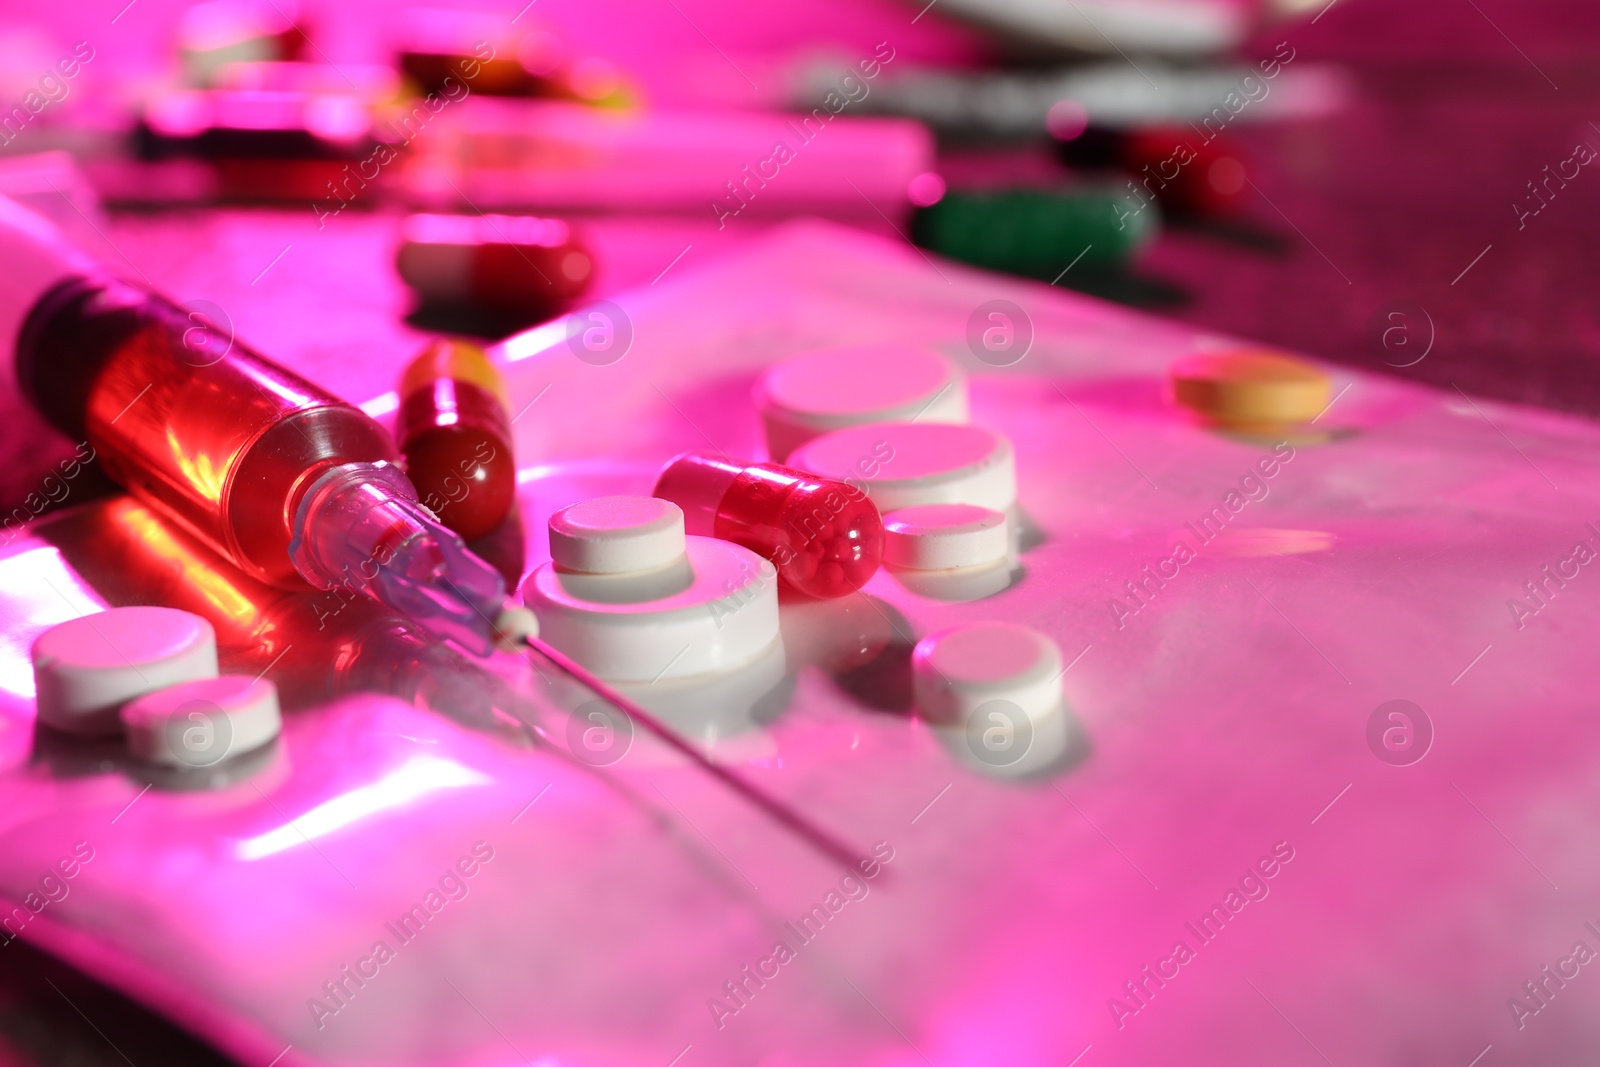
(456, 437)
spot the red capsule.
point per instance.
(825, 537)
(456, 437)
(505, 263)
(1189, 174)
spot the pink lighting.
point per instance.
(415, 778)
(835, 533)
(46, 591)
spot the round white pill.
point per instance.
(617, 535)
(723, 614)
(904, 464)
(936, 537)
(960, 672)
(203, 722)
(810, 395)
(86, 668)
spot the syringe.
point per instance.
(283, 479)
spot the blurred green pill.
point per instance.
(1038, 233)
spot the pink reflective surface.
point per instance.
(1223, 706)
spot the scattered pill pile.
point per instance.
(879, 469)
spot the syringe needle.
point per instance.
(785, 816)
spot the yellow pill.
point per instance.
(1250, 388)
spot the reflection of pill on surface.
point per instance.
(935, 537)
(617, 534)
(85, 669)
(809, 395)
(1250, 387)
(904, 464)
(203, 722)
(956, 671)
(722, 615)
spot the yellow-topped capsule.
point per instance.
(462, 361)
(456, 437)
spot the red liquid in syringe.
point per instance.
(280, 477)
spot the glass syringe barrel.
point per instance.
(283, 479)
(189, 419)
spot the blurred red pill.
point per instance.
(1188, 173)
(507, 263)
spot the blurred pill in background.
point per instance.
(492, 58)
(214, 35)
(517, 266)
(432, 44)
(455, 434)
(1183, 28)
(558, 70)
(1190, 174)
(1256, 390)
(277, 131)
(997, 106)
(267, 111)
(553, 155)
(1037, 233)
